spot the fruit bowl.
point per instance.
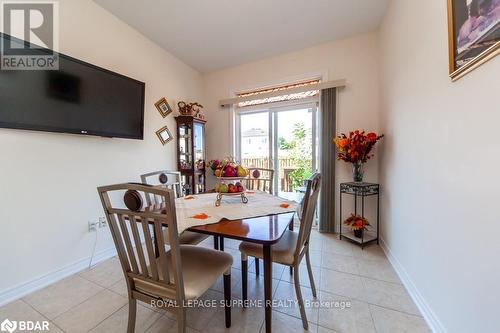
(227, 168)
(230, 175)
(230, 186)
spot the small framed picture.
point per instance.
(163, 107)
(164, 135)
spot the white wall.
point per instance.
(439, 169)
(48, 181)
(354, 59)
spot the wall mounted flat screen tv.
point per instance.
(78, 98)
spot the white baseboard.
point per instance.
(21, 290)
(430, 317)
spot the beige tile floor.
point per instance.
(95, 300)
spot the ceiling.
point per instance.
(213, 34)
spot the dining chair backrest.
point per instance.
(308, 209)
(130, 226)
(260, 179)
(163, 178)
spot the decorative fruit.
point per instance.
(229, 171)
(241, 171)
(232, 188)
(239, 188)
(238, 184)
(217, 187)
(213, 164)
(223, 188)
(218, 173)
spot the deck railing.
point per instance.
(286, 165)
(263, 162)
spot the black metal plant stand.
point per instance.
(361, 190)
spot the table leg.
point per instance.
(290, 227)
(268, 287)
(156, 250)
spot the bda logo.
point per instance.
(24, 325)
(8, 325)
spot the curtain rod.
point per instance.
(318, 86)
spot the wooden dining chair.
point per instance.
(168, 279)
(260, 179)
(263, 180)
(171, 180)
(166, 178)
(291, 248)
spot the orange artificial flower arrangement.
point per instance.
(357, 147)
(356, 222)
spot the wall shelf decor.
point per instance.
(191, 109)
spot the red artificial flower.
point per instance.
(371, 137)
(357, 146)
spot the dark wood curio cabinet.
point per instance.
(191, 153)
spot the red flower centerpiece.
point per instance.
(356, 149)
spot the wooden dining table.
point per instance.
(264, 230)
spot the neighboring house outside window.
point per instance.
(256, 139)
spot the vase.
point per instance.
(357, 172)
(358, 233)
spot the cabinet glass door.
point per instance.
(185, 147)
(199, 145)
(199, 155)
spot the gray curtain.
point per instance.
(328, 111)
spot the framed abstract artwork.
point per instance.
(474, 34)
(163, 107)
(164, 135)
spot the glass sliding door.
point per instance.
(295, 157)
(255, 140)
(283, 139)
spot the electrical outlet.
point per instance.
(93, 226)
(103, 223)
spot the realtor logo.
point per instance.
(31, 35)
(8, 326)
(24, 326)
